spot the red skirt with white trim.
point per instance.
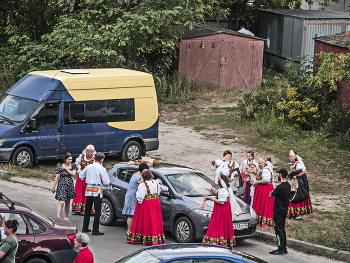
(79, 202)
(263, 204)
(220, 229)
(147, 224)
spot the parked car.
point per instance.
(182, 193)
(189, 253)
(40, 239)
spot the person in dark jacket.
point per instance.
(281, 194)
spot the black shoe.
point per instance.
(276, 252)
(285, 251)
(86, 230)
(97, 233)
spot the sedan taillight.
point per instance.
(71, 238)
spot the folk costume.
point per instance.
(220, 229)
(225, 167)
(79, 202)
(304, 207)
(147, 224)
(262, 204)
(248, 170)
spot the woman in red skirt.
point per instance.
(297, 210)
(220, 229)
(147, 223)
(87, 157)
(263, 204)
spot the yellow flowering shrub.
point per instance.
(300, 113)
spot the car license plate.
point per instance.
(240, 226)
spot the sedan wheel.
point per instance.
(184, 230)
(108, 216)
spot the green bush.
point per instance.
(262, 100)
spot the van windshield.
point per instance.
(15, 109)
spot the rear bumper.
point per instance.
(5, 154)
(151, 144)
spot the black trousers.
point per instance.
(280, 222)
(97, 202)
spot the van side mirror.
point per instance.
(32, 123)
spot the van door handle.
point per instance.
(116, 188)
(60, 130)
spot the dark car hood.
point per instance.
(195, 202)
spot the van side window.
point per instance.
(99, 111)
(76, 112)
(120, 110)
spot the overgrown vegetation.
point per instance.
(173, 89)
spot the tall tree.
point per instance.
(108, 33)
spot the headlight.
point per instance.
(204, 213)
(252, 212)
(2, 141)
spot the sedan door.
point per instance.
(120, 185)
(169, 208)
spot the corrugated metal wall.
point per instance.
(289, 34)
(322, 28)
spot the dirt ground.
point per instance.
(184, 146)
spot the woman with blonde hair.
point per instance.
(262, 204)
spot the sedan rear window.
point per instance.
(42, 217)
(192, 184)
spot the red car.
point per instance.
(41, 239)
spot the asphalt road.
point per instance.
(112, 245)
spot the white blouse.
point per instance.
(266, 174)
(223, 194)
(222, 167)
(298, 166)
(142, 191)
(245, 163)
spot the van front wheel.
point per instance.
(22, 156)
(131, 151)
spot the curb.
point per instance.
(307, 247)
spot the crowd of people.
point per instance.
(290, 199)
(143, 208)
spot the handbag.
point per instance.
(302, 192)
